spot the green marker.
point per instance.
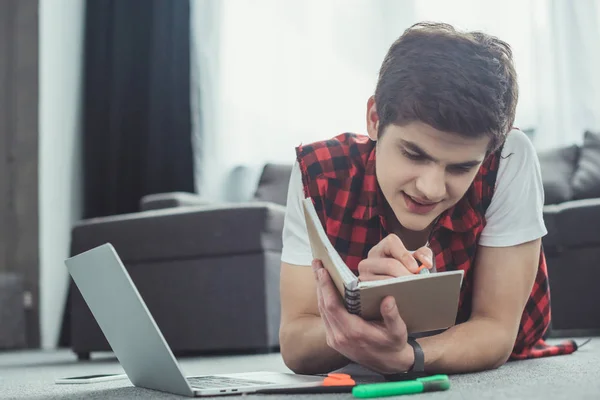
(432, 383)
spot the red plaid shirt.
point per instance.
(339, 175)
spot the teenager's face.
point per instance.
(422, 171)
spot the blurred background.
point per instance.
(104, 103)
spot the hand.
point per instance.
(390, 259)
(380, 346)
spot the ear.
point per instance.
(372, 118)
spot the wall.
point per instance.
(18, 152)
(60, 74)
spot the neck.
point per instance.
(412, 240)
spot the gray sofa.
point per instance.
(571, 178)
(210, 273)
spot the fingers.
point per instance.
(333, 313)
(330, 299)
(392, 246)
(391, 317)
(371, 269)
(322, 311)
(425, 255)
(316, 265)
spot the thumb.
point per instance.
(391, 317)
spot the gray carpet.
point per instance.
(30, 375)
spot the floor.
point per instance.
(31, 375)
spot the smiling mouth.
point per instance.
(416, 206)
(421, 202)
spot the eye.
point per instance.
(412, 156)
(458, 170)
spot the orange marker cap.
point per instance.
(338, 380)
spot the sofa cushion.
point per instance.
(586, 181)
(572, 224)
(159, 201)
(273, 183)
(186, 232)
(558, 166)
(241, 183)
(552, 239)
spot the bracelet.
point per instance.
(418, 368)
(419, 365)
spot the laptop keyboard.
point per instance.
(210, 382)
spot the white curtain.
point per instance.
(566, 62)
(270, 74)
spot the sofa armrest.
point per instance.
(172, 199)
(572, 224)
(186, 232)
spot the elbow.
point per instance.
(504, 350)
(303, 350)
(495, 345)
(290, 359)
(500, 360)
(295, 362)
(289, 354)
(295, 365)
(295, 357)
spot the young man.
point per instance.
(442, 177)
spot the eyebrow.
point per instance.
(422, 153)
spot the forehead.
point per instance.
(444, 146)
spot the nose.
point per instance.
(431, 183)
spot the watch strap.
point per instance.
(418, 368)
(419, 364)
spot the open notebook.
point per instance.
(426, 302)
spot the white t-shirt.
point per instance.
(515, 214)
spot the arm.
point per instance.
(505, 267)
(502, 284)
(302, 334)
(503, 281)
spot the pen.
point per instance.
(429, 384)
(423, 270)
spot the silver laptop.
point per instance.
(139, 344)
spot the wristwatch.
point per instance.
(419, 365)
(418, 368)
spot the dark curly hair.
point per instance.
(460, 82)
